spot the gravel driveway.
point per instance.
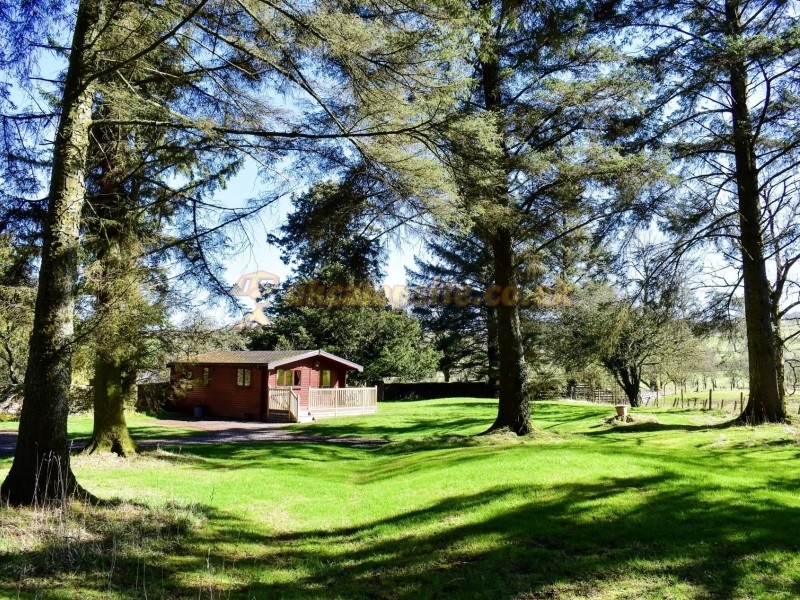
(219, 432)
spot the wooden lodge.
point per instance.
(279, 385)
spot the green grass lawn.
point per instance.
(674, 505)
(141, 426)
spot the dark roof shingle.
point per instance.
(269, 358)
(245, 357)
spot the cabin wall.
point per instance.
(222, 397)
(311, 376)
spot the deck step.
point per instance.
(277, 416)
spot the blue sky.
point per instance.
(258, 255)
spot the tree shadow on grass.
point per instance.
(650, 426)
(647, 534)
(399, 427)
(75, 550)
(402, 457)
(561, 545)
(235, 456)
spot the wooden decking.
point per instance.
(333, 402)
(283, 403)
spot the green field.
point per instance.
(674, 505)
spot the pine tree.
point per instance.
(332, 301)
(41, 467)
(465, 332)
(17, 294)
(726, 108)
(529, 150)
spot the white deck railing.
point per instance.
(294, 407)
(280, 399)
(342, 401)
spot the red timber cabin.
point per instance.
(276, 385)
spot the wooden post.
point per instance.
(709, 399)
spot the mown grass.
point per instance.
(141, 426)
(677, 504)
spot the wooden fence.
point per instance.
(700, 400)
(604, 396)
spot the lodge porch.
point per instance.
(284, 404)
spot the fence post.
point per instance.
(709, 399)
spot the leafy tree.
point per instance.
(136, 190)
(332, 228)
(388, 342)
(628, 338)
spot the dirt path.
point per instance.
(219, 432)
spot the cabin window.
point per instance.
(284, 378)
(243, 377)
(287, 377)
(325, 378)
(206, 375)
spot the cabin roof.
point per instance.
(271, 358)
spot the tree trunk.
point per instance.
(492, 352)
(113, 344)
(629, 379)
(513, 410)
(110, 431)
(764, 403)
(780, 348)
(41, 468)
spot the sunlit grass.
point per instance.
(677, 504)
(141, 426)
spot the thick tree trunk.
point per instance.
(115, 283)
(513, 410)
(110, 432)
(764, 404)
(630, 380)
(41, 468)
